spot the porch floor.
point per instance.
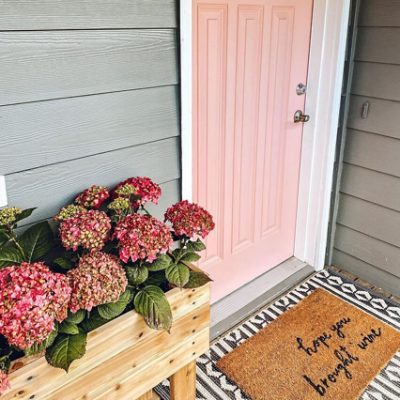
(213, 385)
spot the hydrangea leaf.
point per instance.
(178, 274)
(69, 328)
(76, 318)
(197, 279)
(39, 347)
(198, 245)
(63, 263)
(152, 303)
(111, 310)
(162, 262)
(10, 256)
(190, 257)
(36, 241)
(66, 349)
(92, 322)
(137, 275)
(25, 214)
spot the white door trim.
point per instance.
(325, 76)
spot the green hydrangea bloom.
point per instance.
(9, 215)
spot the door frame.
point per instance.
(325, 77)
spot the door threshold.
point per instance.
(238, 305)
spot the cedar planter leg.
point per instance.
(183, 383)
(147, 396)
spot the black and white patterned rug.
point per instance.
(212, 384)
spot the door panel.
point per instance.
(248, 57)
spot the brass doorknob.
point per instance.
(300, 117)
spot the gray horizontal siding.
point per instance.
(380, 13)
(369, 249)
(378, 45)
(86, 14)
(367, 234)
(371, 219)
(53, 186)
(383, 116)
(372, 273)
(377, 80)
(42, 133)
(55, 64)
(371, 185)
(89, 94)
(369, 150)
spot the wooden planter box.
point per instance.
(124, 358)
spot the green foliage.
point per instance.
(25, 214)
(198, 245)
(162, 262)
(69, 328)
(10, 256)
(111, 310)
(152, 303)
(37, 348)
(178, 274)
(76, 318)
(66, 349)
(92, 322)
(197, 279)
(190, 257)
(137, 275)
(36, 241)
(63, 263)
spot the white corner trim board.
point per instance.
(325, 76)
(3, 191)
(324, 86)
(186, 97)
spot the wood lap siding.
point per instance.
(89, 94)
(367, 237)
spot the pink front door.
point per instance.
(248, 57)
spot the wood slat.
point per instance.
(367, 272)
(376, 80)
(183, 383)
(55, 64)
(380, 13)
(44, 133)
(126, 334)
(86, 14)
(383, 116)
(380, 45)
(372, 251)
(380, 153)
(54, 186)
(373, 220)
(370, 185)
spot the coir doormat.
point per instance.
(323, 348)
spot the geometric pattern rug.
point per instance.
(212, 384)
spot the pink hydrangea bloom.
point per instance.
(142, 237)
(31, 298)
(4, 383)
(144, 188)
(99, 278)
(93, 197)
(189, 219)
(69, 211)
(89, 230)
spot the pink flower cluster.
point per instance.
(4, 383)
(31, 298)
(93, 197)
(144, 188)
(89, 230)
(189, 219)
(99, 278)
(141, 237)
